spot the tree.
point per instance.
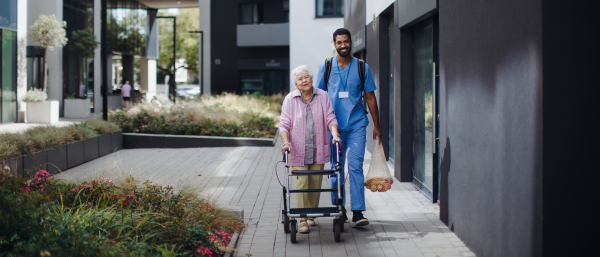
(84, 43)
(187, 43)
(49, 33)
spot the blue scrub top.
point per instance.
(349, 112)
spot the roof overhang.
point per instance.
(158, 4)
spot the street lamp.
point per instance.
(172, 82)
(201, 58)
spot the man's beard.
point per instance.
(347, 52)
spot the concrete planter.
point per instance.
(77, 108)
(75, 154)
(104, 144)
(138, 140)
(117, 141)
(15, 165)
(43, 112)
(35, 160)
(57, 159)
(90, 149)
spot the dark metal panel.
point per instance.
(410, 11)
(264, 64)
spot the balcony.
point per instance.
(277, 34)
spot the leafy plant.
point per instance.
(49, 33)
(84, 43)
(35, 95)
(102, 217)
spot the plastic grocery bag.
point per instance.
(378, 177)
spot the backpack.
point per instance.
(361, 75)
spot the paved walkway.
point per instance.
(403, 221)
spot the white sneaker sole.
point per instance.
(361, 223)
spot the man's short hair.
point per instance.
(341, 31)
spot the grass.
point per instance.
(222, 115)
(45, 216)
(45, 137)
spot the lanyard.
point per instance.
(344, 84)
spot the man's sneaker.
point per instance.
(303, 227)
(344, 217)
(359, 220)
(311, 223)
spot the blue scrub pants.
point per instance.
(353, 149)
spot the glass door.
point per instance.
(424, 145)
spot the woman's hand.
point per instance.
(336, 138)
(286, 146)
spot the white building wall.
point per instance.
(204, 8)
(54, 62)
(375, 7)
(311, 39)
(21, 57)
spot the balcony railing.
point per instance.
(276, 34)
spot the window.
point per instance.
(329, 8)
(251, 13)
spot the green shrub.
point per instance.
(223, 115)
(45, 137)
(45, 216)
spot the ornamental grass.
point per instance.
(227, 115)
(45, 137)
(44, 216)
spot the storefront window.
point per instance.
(8, 76)
(127, 22)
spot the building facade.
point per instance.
(477, 103)
(249, 46)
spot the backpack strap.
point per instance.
(327, 70)
(361, 74)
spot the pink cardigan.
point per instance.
(293, 121)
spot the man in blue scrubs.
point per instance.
(344, 90)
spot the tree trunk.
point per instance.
(44, 86)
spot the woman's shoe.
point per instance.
(311, 223)
(303, 227)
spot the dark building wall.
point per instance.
(491, 123)
(268, 52)
(274, 11)
(223, 27)
(354, 15)
(570, 177)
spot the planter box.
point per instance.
(43, 112)
(15, 165)
(138, 140)
(57, 159)
(75, 155)
(90, 149)
(117, 141)
(77, 108)
(104, 144)
(115, 101)
(35, 160)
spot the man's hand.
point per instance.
(376, 133)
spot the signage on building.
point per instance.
(359, 41)
(264, 64)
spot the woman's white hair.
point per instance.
(297, 71)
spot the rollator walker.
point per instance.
(291, 214)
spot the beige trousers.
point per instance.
(308, 200)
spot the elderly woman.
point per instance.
(305, 116)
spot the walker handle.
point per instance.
(337, 150)
(285, 157)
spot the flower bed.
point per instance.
(223, 115)
(49, 217)
(46, 137)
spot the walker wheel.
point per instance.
(337, 227)
(293, 231)
(286, 224)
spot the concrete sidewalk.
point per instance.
(403, 221)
